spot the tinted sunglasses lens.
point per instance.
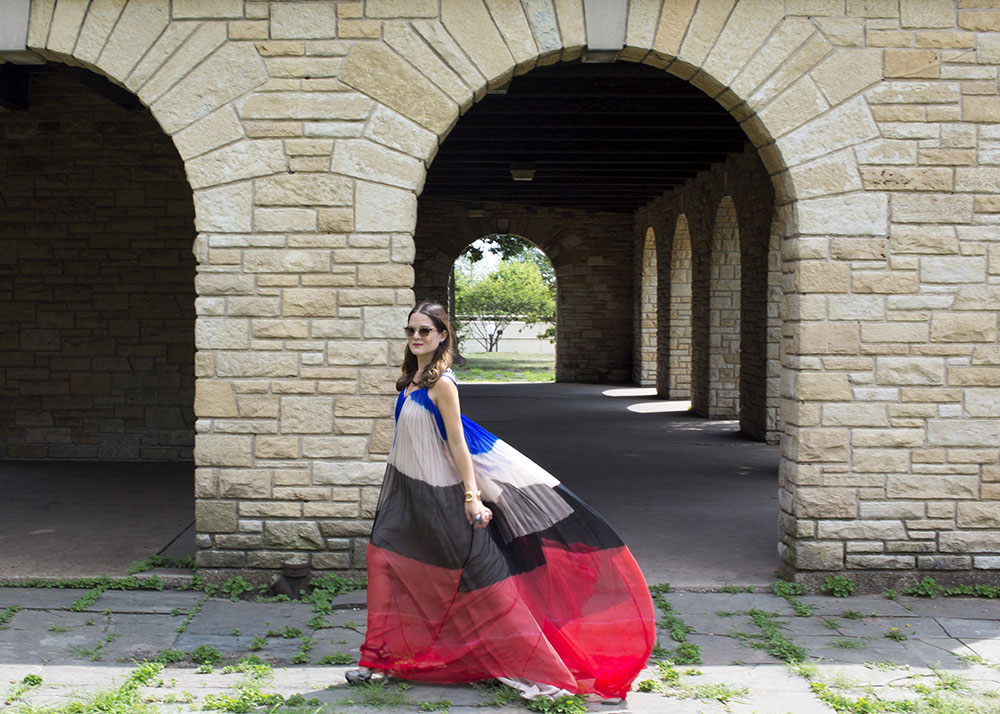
(423, 331)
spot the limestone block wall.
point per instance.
(591, 253)
(676, 384)
(96, 282)
(644, 365)
(725, 289)
(306, 130)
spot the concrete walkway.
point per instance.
(695, 501)
(949, 647)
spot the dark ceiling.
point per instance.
(606, 137)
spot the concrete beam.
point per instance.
(14, 16)
(605, 21)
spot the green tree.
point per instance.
(511, 247)
(514, 290)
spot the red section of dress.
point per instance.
(582, 622)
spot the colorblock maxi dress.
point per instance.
(546, 595)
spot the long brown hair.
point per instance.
(442, 355)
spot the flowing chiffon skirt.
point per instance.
(546, 595)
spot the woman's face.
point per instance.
(425, 338)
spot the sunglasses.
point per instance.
(422, 331)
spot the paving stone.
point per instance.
(825, 605)
(960, 607)
(222, 617)
(150, 601)
(691, 603)
(354, 599)
(965, 628)
(39, 598)
(710, 624)
(43, 620)
(328, 642)
(720, 649)
(278, 649)
(990, 649)
(28, 646)
(878, 626)
(42, 646)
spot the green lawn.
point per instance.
(506, 367)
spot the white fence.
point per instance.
(517, 337)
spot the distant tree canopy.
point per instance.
(511, 247)
(516, 289)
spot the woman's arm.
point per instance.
(444, 394)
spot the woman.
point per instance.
(481, 564)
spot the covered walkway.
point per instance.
(695, 501)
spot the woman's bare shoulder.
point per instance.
(444, 390)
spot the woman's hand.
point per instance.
(476, 508)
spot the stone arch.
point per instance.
(190, 94)
(647, 321)
(679, 385)
(101, 279)
(445, 228)
(525, 239)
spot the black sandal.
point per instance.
(357, 677)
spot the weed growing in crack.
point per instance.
(496, 693)
(561, 705)
(235, 587)
(669, 683)
(302, 656)
(885, 665)
(324, 588)
(970, 659)
(184, 562)
(894, 633)
(380, 693)
(686, 652)
(169, 656)
(96, 654)
(838, 586)
(438, 705)
(850, 643)
(771, 639)
(30, 683)
(8, 614)
(125, 699)
(790, 591)
(289, 633)
(191, 614)
(249, 691)
(203, 654)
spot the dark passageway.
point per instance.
(695, 501)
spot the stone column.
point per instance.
(680, 312)
(724, 315)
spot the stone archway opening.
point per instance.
(502, 293)
(97, 324)
(640, 192)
